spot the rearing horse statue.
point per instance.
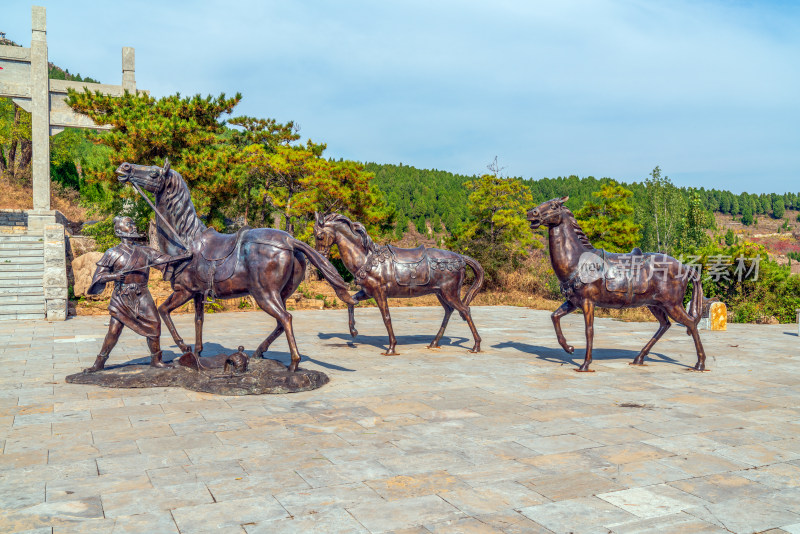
(593, 277)
(387, 271)
(266, 263)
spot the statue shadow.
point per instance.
(382, 342)
(576, 359)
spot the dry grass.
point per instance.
(19, 196)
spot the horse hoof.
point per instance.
(635, 362)
(354, 333)
(433, 347)
(569, 349)
(393, 353)
(582, 370)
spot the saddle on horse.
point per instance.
(627, 272)
(410, 266)
(219, 256)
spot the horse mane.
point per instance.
(357, 229)
(578, 231)
(178, 203)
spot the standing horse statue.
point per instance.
(266, 263)
(593, 277)
(387, 271)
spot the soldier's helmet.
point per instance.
(125, 227)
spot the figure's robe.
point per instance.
(131, 302)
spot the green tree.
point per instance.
(660, 213)
(694, 235)
(747, 215)
(499, 237)
(730, 237)
(296, 181)
(607, 219)
(16, 149)
(778, 208)
(146, 130)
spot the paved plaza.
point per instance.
(510, 440)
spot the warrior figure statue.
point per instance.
(128, 266)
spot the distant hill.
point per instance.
(435, 195)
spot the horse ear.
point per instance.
(166, 166)
(562, 200)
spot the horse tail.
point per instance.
(328, 271)
(696, 304)
(476, 285)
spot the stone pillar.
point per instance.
(798, 321)
(55, 273)
(40, 111)
(128, 69)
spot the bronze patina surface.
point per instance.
(128, 267)
(593, 277)
(263, 376)
(387, 271)
(266, 263)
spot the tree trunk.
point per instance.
(24, 168)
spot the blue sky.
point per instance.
(706, 90)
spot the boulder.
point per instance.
(83, 268)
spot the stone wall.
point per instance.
(13, 221)
(55, 273)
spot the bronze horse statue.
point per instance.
(593, 277)
(266, 263)
(387, 271)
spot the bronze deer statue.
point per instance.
(593, 277)
(387, 271)
(266, 263)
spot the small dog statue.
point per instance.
(237, 362)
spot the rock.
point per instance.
(81, 244)
(83, 268)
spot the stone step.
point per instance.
(33, 287)
(21, 239)
(7, 267)
(21, 246)
(21, 259)
(12, 300)
(21, 252)
(7, 277)
(14, 309)
(22, 316)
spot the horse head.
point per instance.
(325, 230)
(547, 213)
(150, 177)
(324, 235)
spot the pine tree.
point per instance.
(147, 130)
(499, 237)
(778, 208)
(607, 219)
(747, 215)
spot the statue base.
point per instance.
(262, 377)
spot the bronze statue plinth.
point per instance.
(262, 377)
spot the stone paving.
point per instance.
(510, 440)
